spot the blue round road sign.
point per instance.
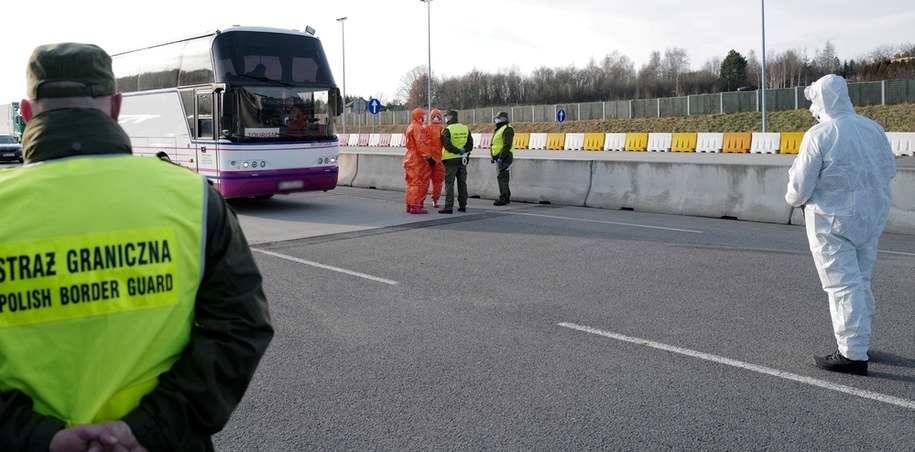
(374, 106)
(561, 115)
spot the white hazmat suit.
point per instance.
(841, 177)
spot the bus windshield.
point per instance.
(271, 59)
(263, 113)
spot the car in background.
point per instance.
(10, 149)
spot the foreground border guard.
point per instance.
(841, 178)
(457, 142)
(132, 316)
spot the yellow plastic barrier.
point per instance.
(683, 142)
(555, 141)
(594, 141)
(790, 143)
(737, 142)
(637, 141)
(522, 140)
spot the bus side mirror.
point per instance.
(337, 100)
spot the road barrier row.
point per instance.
(681, 185)
(903, 143)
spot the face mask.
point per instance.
(810, 95)
(815, 110)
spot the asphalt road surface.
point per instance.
(540, 327)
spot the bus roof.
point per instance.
(227, 30)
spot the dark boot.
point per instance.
(838, 363)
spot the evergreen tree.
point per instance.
(733, 70)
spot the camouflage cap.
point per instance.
(85, 64)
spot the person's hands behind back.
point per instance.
(111, 436)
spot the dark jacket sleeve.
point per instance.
(21, 428)
(508, 137)
(231, 331)
(469, 145)
(447, 144)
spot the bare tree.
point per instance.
(673, 65)
(621, 76)
(882, 53)
(648, 77)
(787, 69)
(754, 69)
(407, 83)
(712, 65)
(825, 61)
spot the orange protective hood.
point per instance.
(436, 116)
(418, 115)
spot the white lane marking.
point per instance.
(602, 222)
(896, 252)
(904, 403)
(326, 267)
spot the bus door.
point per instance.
(205, 127)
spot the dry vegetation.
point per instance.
(893, 118)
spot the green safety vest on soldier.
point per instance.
(498, 142)
(92, 310)
(459, 133)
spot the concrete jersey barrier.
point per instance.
(675, 183)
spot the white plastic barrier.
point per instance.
(765, 143)
(719, 187)
(574, 142)
(903, 143)
(353, 139)
(477, 139)
(615, 142)
(397, 140)
(374, 138)
(538, 141)
(710, 142)
(659, 142)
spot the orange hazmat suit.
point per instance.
(416, 162)
(437, 175)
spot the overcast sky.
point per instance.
(386, 39)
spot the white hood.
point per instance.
(829, 98)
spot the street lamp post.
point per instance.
(429, 39)
(763, 80)
(343, 45)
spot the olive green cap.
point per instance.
(86, 64)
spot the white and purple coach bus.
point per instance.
(250, 108)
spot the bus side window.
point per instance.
(205, 116)
(204, 128)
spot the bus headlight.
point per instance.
(244, 165)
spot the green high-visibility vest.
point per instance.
(100, 261)
(459, 133)
(498, 142)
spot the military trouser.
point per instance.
(454, 169)
(503, 177)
